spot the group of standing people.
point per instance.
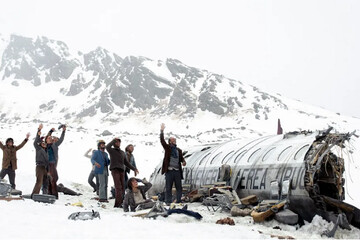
(119, 163)
(47, 155)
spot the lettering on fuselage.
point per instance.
(260, 178)
(248, 178)
(200, 177)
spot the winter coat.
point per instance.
(55, 146)
(129, 196)
(131, 160)
(118, 158)
(9, 155)
(167, 154)
(98, 157)
(42, 158)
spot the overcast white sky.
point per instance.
(306, 50)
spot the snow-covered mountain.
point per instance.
(43, 77)
(127, 85)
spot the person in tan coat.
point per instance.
(9, 161)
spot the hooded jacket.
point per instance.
(9, 155)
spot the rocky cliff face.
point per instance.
(39, 61)
(111, 84)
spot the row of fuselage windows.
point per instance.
(239, 154)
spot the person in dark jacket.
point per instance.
(136, 195)
(171, 167)
(117, 168)
(101, 161)
(52, 148)
(9, 161)
(130, 157)
(42, 161)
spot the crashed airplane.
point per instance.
(305, 168)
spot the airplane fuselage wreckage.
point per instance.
(305, 168)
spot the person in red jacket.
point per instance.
(173, 159)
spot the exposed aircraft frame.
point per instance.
(302, 167)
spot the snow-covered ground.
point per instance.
(32, 220)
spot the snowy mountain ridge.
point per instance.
(126, 85)
(100, 86)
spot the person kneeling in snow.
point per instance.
(135, 195)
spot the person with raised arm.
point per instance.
(135, 196)
(117, 167)
(172, 167)
(9, 161)
(52, 148)
(42, 161)
(92, 175)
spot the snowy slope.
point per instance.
(73, 171)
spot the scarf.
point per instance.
(174, 151)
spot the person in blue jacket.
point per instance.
(101, 161)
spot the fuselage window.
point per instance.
(203, 158)
(187, 156)
(226, 157)
(301, 152)
(254, 155)
(212, 160)
(205, 148)
(268, 154)
(238, 157)
(283, 153)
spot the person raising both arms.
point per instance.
(52, 148)
(9, 161)
(42, 161)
